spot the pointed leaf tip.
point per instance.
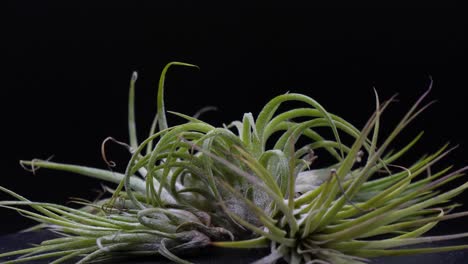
(182, 64)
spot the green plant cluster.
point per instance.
(254, 183)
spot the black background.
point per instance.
(67, 71)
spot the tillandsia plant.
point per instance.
(253, 184)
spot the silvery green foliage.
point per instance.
(194, 185)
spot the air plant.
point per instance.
(253, 184)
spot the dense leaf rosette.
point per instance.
(254, 183)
